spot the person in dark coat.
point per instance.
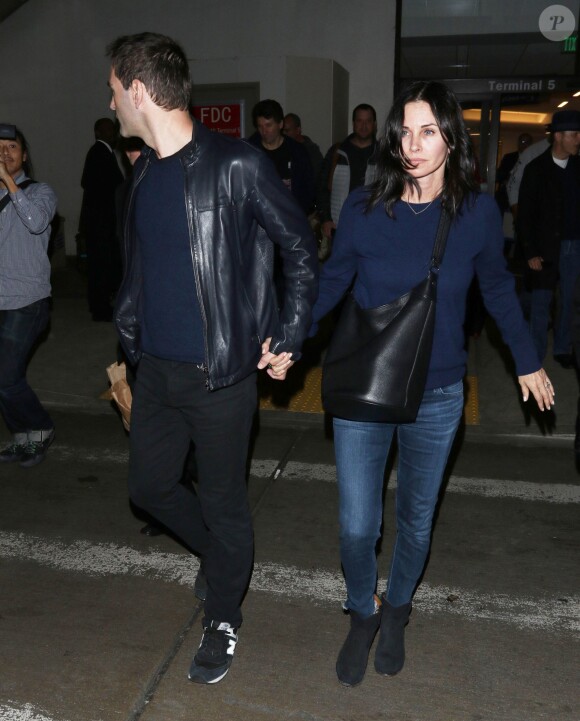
(576, 351)
(197, 312)
(291, 161)
(100, 179)
(293, 129)
(548, 229)
(289, 156)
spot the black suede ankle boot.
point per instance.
(390, 652)
(354, 654)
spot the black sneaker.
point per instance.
(36, 447)
(215, 653)
(151, 530)
(14, 453)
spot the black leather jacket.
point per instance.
(236, 207)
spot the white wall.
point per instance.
(52, 53)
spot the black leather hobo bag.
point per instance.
(377, 361)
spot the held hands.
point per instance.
(327, 227)
(541, 388)
(536, 263)
(277, 365)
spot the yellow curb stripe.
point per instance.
(471, 409)
(307, 399)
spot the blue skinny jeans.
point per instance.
(361, 451)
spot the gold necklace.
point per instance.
(418, 212)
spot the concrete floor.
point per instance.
(98, 622)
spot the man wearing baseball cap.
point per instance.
(548, 228)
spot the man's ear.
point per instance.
(138, 92)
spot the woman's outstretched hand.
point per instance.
(540, 386)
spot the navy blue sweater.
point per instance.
(172, 325)
(390, 256)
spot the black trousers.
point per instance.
(171, 408)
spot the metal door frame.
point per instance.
(489, 129)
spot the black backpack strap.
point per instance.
(6, 199)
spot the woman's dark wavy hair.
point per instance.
(158, 62)
(392, 165)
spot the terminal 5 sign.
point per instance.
(522, 86)
(485, 86)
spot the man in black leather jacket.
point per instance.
(197, 312)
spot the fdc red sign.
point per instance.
(225, 118)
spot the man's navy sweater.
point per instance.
(172, 324)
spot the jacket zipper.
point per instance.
(190, 222)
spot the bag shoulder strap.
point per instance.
(6, 199)
(441, 239)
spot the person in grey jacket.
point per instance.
(197, 311)
(27, 209)
(347, 166)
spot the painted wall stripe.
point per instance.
(317, 586)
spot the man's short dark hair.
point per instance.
(366, 107)
(269, 109)
(158, 62)
(295, 119)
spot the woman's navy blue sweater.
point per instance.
(386, 257)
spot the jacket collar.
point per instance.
(199, 140)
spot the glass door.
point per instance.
(482, 117)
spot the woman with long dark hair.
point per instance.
(384, 243)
